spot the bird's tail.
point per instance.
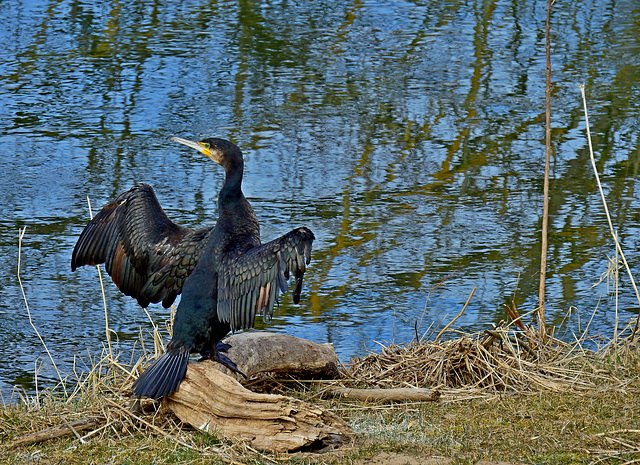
(164, 375)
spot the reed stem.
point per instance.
(606, 209)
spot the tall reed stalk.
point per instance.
(547, 163)
(606, 209)
(104, 297)
(35, 329)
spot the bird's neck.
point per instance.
(233, 207)
(234, 211)
(237, 219)
(232, 187)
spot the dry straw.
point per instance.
(104, 297)
(498, 360)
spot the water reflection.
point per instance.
(408, 135)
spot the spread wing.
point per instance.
(147, 255)
(249, 283)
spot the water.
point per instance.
(409, 136)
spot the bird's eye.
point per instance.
(206, 145)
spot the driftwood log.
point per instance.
(211, 400)
(261, 352)
(388, 395)
(67, 429)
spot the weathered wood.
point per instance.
(68, 429)
(210, 399)
(261, 352)
(213, 401)
(388, 395)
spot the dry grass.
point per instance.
(500, 360)
(103, 393)
(505, 397)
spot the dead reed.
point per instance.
(504, 359)
(95, 403)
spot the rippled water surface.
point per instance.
(409, 136)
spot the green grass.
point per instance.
(588, 414)
(536, 428)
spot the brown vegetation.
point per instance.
(503, 396)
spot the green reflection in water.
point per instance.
(409, 136)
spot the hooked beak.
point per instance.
(202, 147)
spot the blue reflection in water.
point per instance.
(408, 136)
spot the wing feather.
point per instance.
(147, 255)
(267, 310)
(249, 284)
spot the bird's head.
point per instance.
(221, 151)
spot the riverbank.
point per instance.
(556, 403)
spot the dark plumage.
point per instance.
(226, 276)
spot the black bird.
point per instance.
(225, 274)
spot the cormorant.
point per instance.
(225, 274)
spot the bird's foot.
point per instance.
(222, 347)
(219, 357)
(226, 361)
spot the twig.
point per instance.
(158, 346)
(618, 431)
(458, 316)
(615, 283)
(58, 431)
(547, 164)
(419, 324)
(387, 395)
(73, 430)
(516, 319)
